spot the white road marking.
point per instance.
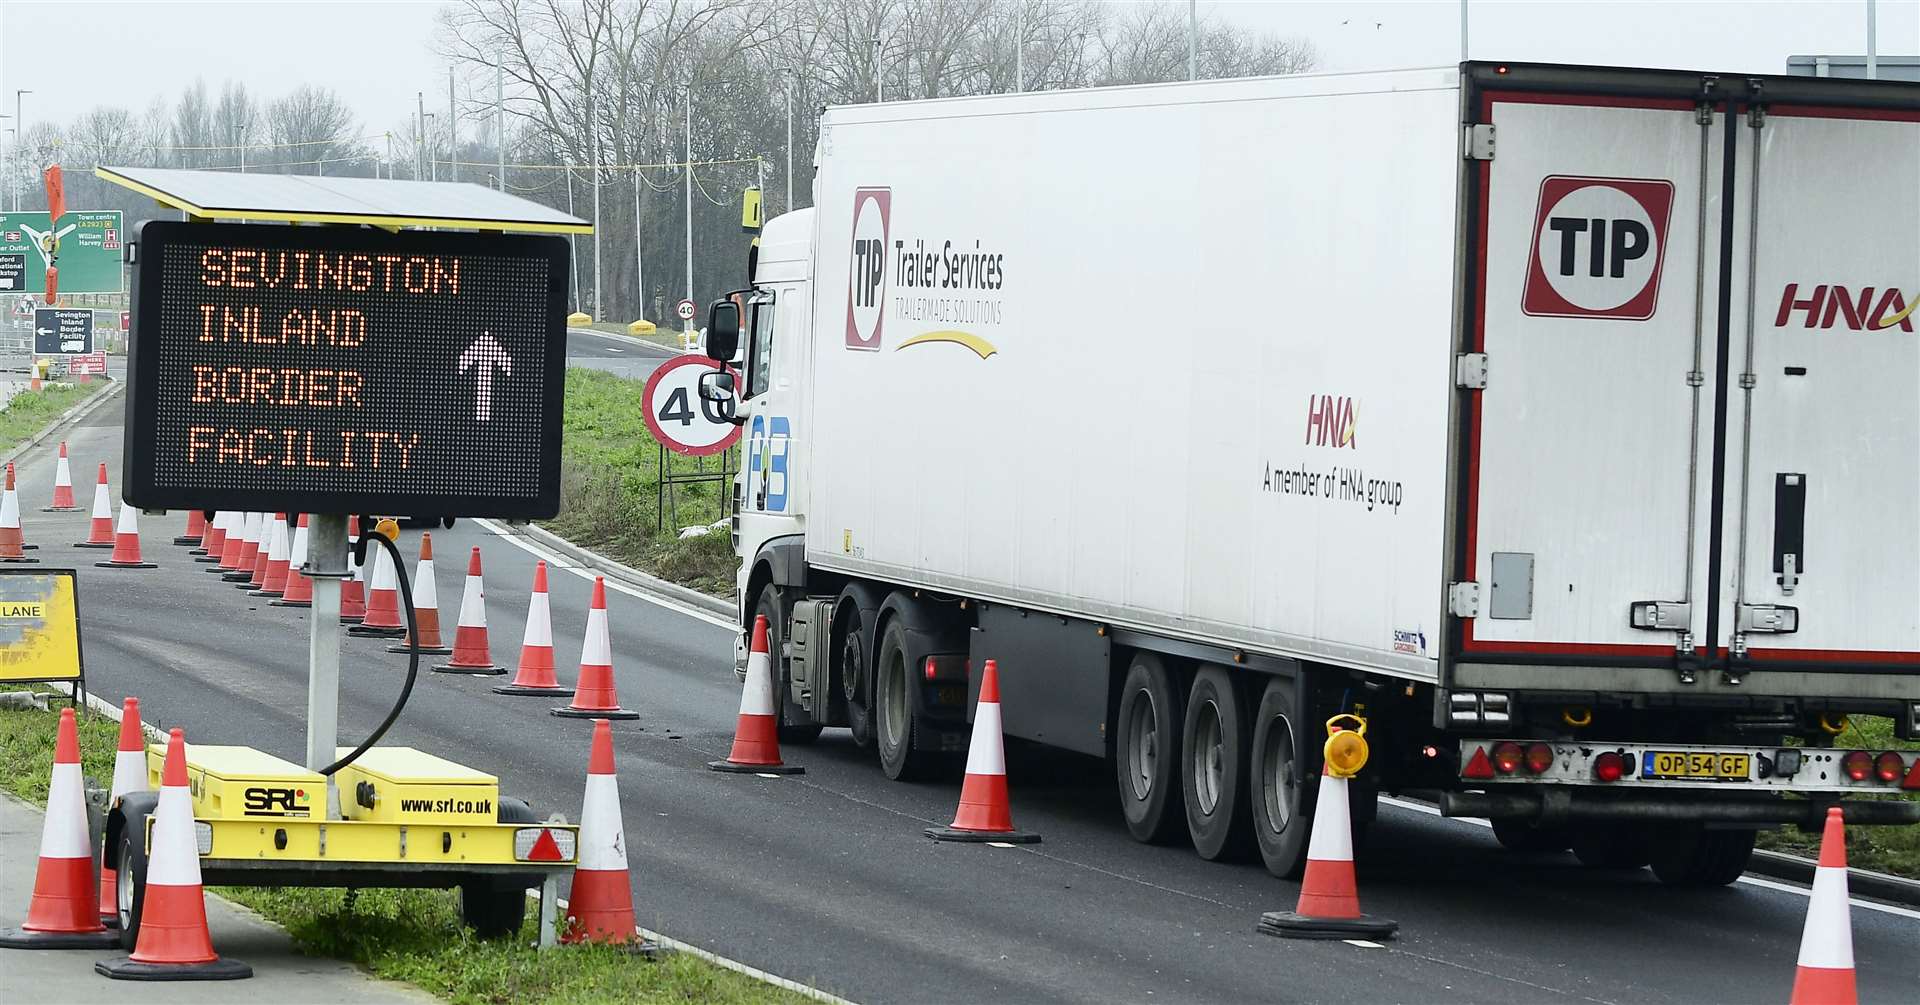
(558, 563)
(1767, 884)
(998, 844)
(1363, 943)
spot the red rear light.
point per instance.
(1539, 758)
(1610, 766)
(1507, 756)
(1857, 764)
(932, 670)
(1888, 767)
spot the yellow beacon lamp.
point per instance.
(1346, 749)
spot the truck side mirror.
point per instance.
(723, 332)
(717, 388)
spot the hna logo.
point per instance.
(1597, 248)
(1330, 422)
(1871, 309)
(867, 267)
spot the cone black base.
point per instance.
(217, 571)
(472, 671)
(61, 509)
(183, 539)
(125, 565)
(756, 769)
(20, 938)
(534, 692)
(982, 837)
(123, 968)
(22, 560)
(569, 712)
(34, 547)
(112, 921)
(264, 593)
(435, 651)
(243, 579)
(1288, 925)
(347, 619)
(88, 544)
(208, 560)
(282, 602)
(365, 631)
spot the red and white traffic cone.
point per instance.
(245, 550)
(756, 737)
(273, 578)
(594, 696)
(299, 589)
(426, 607)
(471, 652)
(126, 543)
(62, 485)
(173, 943)
(985, 813)
(12, 541)
(196, 528)
(234, 546)
(1329, 905)
(600, 907)
(129, 776)
(382, 620)
(1825, 975)
(65, 910)
(272, 525)
(100, 532)
(216, 540)
(535, 675)
(353, 591)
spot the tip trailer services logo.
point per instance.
(1598, 244)
(867, 267)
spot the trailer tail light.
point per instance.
(1888, 767)
(1507, 756)
(1539, 758)
(543, 844)
(203, 837)
(951, 666)
(1913, 776)
(1857, 764)
(1478, 766)
(1609, 766)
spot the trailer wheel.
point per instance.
(131, 888)
(1691, 855)
(894, 726)
(1278, 784)
(495, 907)
(790, 732)
(1146, 750)
(1527, 836)
(1214, 762)
(1611, 845)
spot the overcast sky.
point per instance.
(76, 54)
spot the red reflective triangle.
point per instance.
(1913, 776)
(545, 850)
(1479, 766)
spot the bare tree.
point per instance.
(312, 127)
(236, 123)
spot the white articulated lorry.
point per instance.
(1560, 421)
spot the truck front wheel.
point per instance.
(1278, 784)
(1214, 761)
(1146, 751)
(894, 726)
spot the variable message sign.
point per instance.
(61, 331)
(88, 245)
(335, 370)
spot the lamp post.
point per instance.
(19, 139)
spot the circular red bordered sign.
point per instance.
(678, 417)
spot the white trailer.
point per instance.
(1560, 420)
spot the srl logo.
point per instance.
(867, 267)
(1598, 244)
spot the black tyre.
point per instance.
(1146, 751)
(1277, 784)
(1603, 845)
(803, 732)
(1691, 855)
(493, 909)
(1213, 761)
(894, 725)
(1529, 837)
(856, 679)
(131, 886)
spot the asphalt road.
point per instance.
(826, 878)
(614, 354)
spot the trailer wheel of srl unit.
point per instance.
(496, 907)
(1146, 750)
(1214, 762)
(1691, 855)
(770, 607)
(1282, 816)
(894, 721)
(130, 857)
(1527, 836)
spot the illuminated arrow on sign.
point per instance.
(482, 357)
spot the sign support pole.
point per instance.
(326, 566)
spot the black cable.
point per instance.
(413, 650)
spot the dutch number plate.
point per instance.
(1696, 764)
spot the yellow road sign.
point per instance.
(39, 625)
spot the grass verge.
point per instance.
(609, 482)
(30, 411)
(407, 935)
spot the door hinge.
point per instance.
(1463, 600)
(1479, 142)
(1660, 616)
(1470, 371)
(1771, 619)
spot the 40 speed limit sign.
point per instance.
(678, 417)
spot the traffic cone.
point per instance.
(241, 568)
(100, 533)
(129, 776)
(984, 814)
(196, 528)
(1825, 974)
(426, 607)
(234, 544)
(382, 620)
(593, 694)
(353, 592)
(126, 543)
(535, 675)
(273, 579)
(1329, 906)
(299, 589)
(173, 943)
(273, 526)
(600, 907)
(65, 910)
(756, 738)
(12, 541)
(62, 485)
(471, 652)
(216, 540)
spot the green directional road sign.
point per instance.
(89, 246)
